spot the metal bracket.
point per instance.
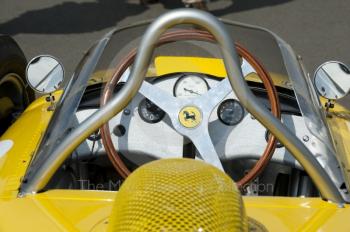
(51, 99)
(329, 105)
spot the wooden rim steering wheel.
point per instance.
(200, 35)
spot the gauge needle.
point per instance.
(191, 91)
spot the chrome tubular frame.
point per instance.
(38, 179)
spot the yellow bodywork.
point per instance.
(25, 134)
(79, 210)
(212, 66)
(89, 210)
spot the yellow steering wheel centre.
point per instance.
(190, 116)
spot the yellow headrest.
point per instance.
(178, 195)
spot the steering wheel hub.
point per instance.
(190, 117)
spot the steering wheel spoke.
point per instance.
(215, 95)
(159, 97)
(204, 145)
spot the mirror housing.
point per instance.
(332, 80)
(44, 74)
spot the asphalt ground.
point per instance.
(319, 30)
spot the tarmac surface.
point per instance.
(319, 30)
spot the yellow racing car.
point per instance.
(185, 123)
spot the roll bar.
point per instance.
(38, 179)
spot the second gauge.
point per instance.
(230, 112)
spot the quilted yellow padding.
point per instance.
(178, 195)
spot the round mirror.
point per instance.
(332, 80)
(44, 74)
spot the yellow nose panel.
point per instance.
(190, 116)
(178, 195)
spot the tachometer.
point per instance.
(150, 112)
(190, 85)
(230, 112)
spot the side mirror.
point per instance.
(44, 74)
(332, 80)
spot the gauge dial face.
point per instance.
(150, 112)
(230, 112)
(190, 86)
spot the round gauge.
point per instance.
(150, 112)
(190, 86)
(230, 112)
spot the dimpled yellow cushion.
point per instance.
(174, 195)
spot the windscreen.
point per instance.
(260, 43)
(100, 63)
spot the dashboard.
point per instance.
(143, 132)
